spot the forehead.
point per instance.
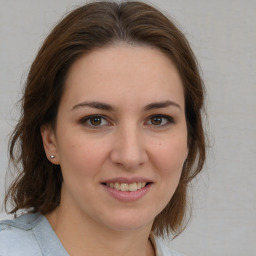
(124, 72)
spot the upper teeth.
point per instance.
(127, 187)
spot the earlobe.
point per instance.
(49, 143)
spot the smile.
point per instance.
(127, 187)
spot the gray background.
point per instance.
(223, 36)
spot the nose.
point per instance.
(128, 148)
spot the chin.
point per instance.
(126, 222)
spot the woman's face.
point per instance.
(121, 136)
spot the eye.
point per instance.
(95, 121)
(160, 120)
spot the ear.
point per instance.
(49, 143)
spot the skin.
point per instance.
(125, 142)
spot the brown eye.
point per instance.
(156, 120)
(160, 120)
(95, 121)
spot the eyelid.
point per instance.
(87, 118)
(170, 120)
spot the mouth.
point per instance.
(127, 187)
(127, 190)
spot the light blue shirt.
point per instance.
(32, 235)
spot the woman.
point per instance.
(110, 136)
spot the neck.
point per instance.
(83, 236)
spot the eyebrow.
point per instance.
(164, 104)
(98, 105)
(107, 107)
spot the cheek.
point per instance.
(81, 156)
(169, 157)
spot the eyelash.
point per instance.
(168, 120)
(91, 117)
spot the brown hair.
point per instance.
(38, 185)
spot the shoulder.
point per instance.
(17, 236)
(161, 247)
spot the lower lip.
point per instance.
(127, 196)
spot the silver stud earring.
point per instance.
(52, 156)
